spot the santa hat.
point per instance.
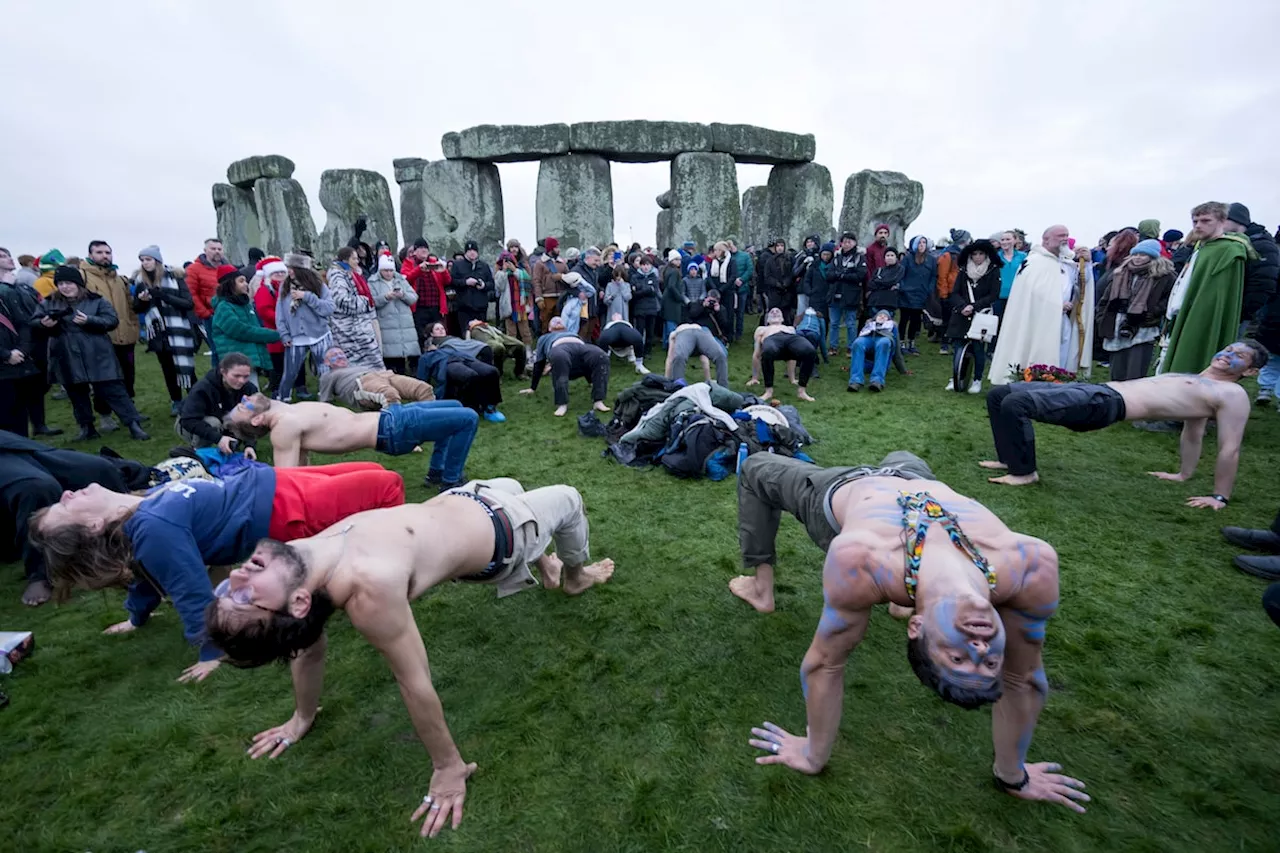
(386, 262)
(270, 265)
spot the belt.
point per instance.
(503, 538)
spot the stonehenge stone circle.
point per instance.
(459, 198)
(346, 194)
(238, 226)
(285, 216)
(872, 197)
(575, 200)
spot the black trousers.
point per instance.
(466, 315)
(398, 365)
(579, 362)
(650, 327)
(1131, 363)
(1011, 409)
(474, 384)
(911, 319)
(783, 346)
(22, 400)
(124, 356)
(621, 336)
(111, 394)
(424, 319)
(170, 372)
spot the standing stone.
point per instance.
(238, 226)
(873, 197)
(801, 201)
(285, 216)
(449, 202)
(575, 200)
(755, 217)
(665, 240)
(505, 143)
(750, 144)
(345, 194)
(704, 199)
(639, 141)
(243, 173)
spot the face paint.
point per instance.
(1234, 359)
(944, 618)
(243, 595)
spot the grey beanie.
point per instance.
(151, 252)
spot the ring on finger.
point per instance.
(435, 807)
(775, 747)
(284, 741)
(426, 801)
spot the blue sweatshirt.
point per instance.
(184, 526)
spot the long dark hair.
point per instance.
(306, 279)
(78, 557)
(227, 290)
(1119, 248)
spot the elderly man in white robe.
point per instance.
(1049, 316)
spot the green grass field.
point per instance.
(619, 721)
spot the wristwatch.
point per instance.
(1005, 786)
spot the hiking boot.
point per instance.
(45, 429)
(1264, 397)
(1254, 540)
(87, 433)
(137, 433)
(106, 423)
(854, 387)
(1260, 567)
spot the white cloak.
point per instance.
(1034, 329)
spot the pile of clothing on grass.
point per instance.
(698, 430)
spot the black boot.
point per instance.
(87, 433)
(45, 429)
(1255, 540)
(137, 433)
(1259, 567)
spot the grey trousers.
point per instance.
(769, 485)
(693, 342)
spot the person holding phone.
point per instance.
(394, 299)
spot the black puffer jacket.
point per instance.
(986, 290)
(1260, 276)
(646, 294)
(846, 277)
(80, 353)
(15, 334)
(471, 297)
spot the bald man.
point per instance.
(1049, 316)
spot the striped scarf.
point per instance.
(169, 330)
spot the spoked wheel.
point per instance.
(962, 368)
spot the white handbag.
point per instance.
(984, 326)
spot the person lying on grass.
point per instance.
(372, 565)
(299, 429)
(1212, 393)
(161, 544)
(977, 595)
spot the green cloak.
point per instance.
(1209, 320)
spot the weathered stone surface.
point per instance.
(801, 200)
(872, 197)
(664, 200)
(664, 237)
(750, 144)
(704, 199)
(575, 200)
(409, 168)
(285, 216)
(639, 141)
(242, 173)
(506, 143)
(755, 216)
(238, 226)
(450, 202)
(345, 194)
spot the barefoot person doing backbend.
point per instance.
(775, 342)
(160, 545)
(372, 565)
(1193, 399)
(298, 429)
(979, 597)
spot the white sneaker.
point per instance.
(975, 387)
(640, 368)
(951, 385)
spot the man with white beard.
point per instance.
(1049, 316)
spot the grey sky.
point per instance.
(1096, 114)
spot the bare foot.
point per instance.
(897, 611)
(746, 588)
(37, 593)
(600, 406)
(993, 465)
(561, 410)
(121, 628)
(586, 577)
(766, 393)
(804, 395)
(1015, 480)
(549, 567)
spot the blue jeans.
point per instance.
(1269, 376)
(667, 328)
(445, 423)
(883, 348)
(979, 350)
(842, 316)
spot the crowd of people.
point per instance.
(415, 347)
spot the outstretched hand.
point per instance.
(783, 748)
(1205, 502)
(274, 741)
(448, 790)
(1165, 475)
(199, 671)
(1045, 783)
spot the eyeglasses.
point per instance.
(242, 596)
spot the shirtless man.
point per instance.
(373, 565)
(977, 594)
(690, 339)
(774, 342)
(566, 356)
(1213, 393)
(298, 429)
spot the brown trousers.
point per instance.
(547, 310)
(521, 330)
(397, 388)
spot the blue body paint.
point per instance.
(1040, 682)
(944, 615)
(804, 683)
(1024, 743)
(831, 621)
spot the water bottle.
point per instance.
(742, 455)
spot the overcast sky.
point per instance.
(1011, 113)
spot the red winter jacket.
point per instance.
(428, 284)
(202, 281)
(264, 302)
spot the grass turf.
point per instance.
(618, 721)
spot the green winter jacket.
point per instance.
(236, 328)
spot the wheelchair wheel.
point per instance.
(962, 368)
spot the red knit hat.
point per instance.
(227, 270)
(551, 244)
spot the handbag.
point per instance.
(984, 326)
